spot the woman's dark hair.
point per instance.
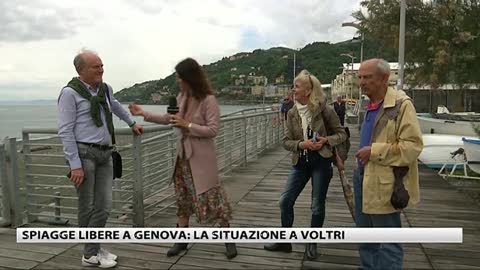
(192, 73)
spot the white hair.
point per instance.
(79, 61)
(383, 67)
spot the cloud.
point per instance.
(143, 40)
(26, 20)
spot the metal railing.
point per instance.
(44, 194)
(4, 192)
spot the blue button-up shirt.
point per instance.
(75, 123)
(367, 127)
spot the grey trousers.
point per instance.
(95, 193)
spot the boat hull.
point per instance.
(472, 150)
(444, 126)
(437, 148)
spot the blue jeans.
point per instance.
(95, 193)
(376, 255)
(320, 170)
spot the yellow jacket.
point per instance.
(398, 143)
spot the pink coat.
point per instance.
(199, 144)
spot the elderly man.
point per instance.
(85, 125)
(390, 138)
(287, 104)
(340, 108)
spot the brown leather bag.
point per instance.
(400, 196)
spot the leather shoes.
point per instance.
(283, 247)
(311, 251)
(176, 249)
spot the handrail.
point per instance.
(148, 167)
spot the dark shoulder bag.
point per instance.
(116, 157)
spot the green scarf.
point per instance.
(95, 102)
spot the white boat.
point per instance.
(444, 122)
(472, 150)
(430, 125)
(437, 149)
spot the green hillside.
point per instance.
(320, 58)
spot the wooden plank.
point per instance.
(260, 259)
(307, 265)
(256, 190)
(39, 248)
(24, 255)
(9, 263)
(185, 266)
(220, 264)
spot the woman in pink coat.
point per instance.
(197, 187)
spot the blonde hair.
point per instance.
(317, 96)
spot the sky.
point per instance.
(143, 40)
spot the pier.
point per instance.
(254, 175)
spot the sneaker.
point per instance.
(107, 254)
(98, 261)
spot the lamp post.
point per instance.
(359, 101)
(294, 63)
(351, 83)
(401, 44)
(357, 26)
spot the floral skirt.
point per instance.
(209, 207)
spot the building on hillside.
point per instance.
(257, 80)
(240, 81)
(270, 91)
(236, 90)
(156, 97)
(238, 56)
(283, 89)
(280, 79)
(258, 90)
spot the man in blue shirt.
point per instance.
(390, 139)
(85, 126)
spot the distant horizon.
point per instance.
(28, 100)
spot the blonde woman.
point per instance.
(312, 130)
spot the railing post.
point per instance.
(16, 197)
(265, 125)
(281, 129)
(139, 216)
(244, 134)
(230, 144)
(279, 126)
(173, 152)
(5, 192)
(255, 136)
(57, 214)
(117, 195)
(28, 180)
(272, 129)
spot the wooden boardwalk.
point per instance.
(254, 191)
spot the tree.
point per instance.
(442, 40)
